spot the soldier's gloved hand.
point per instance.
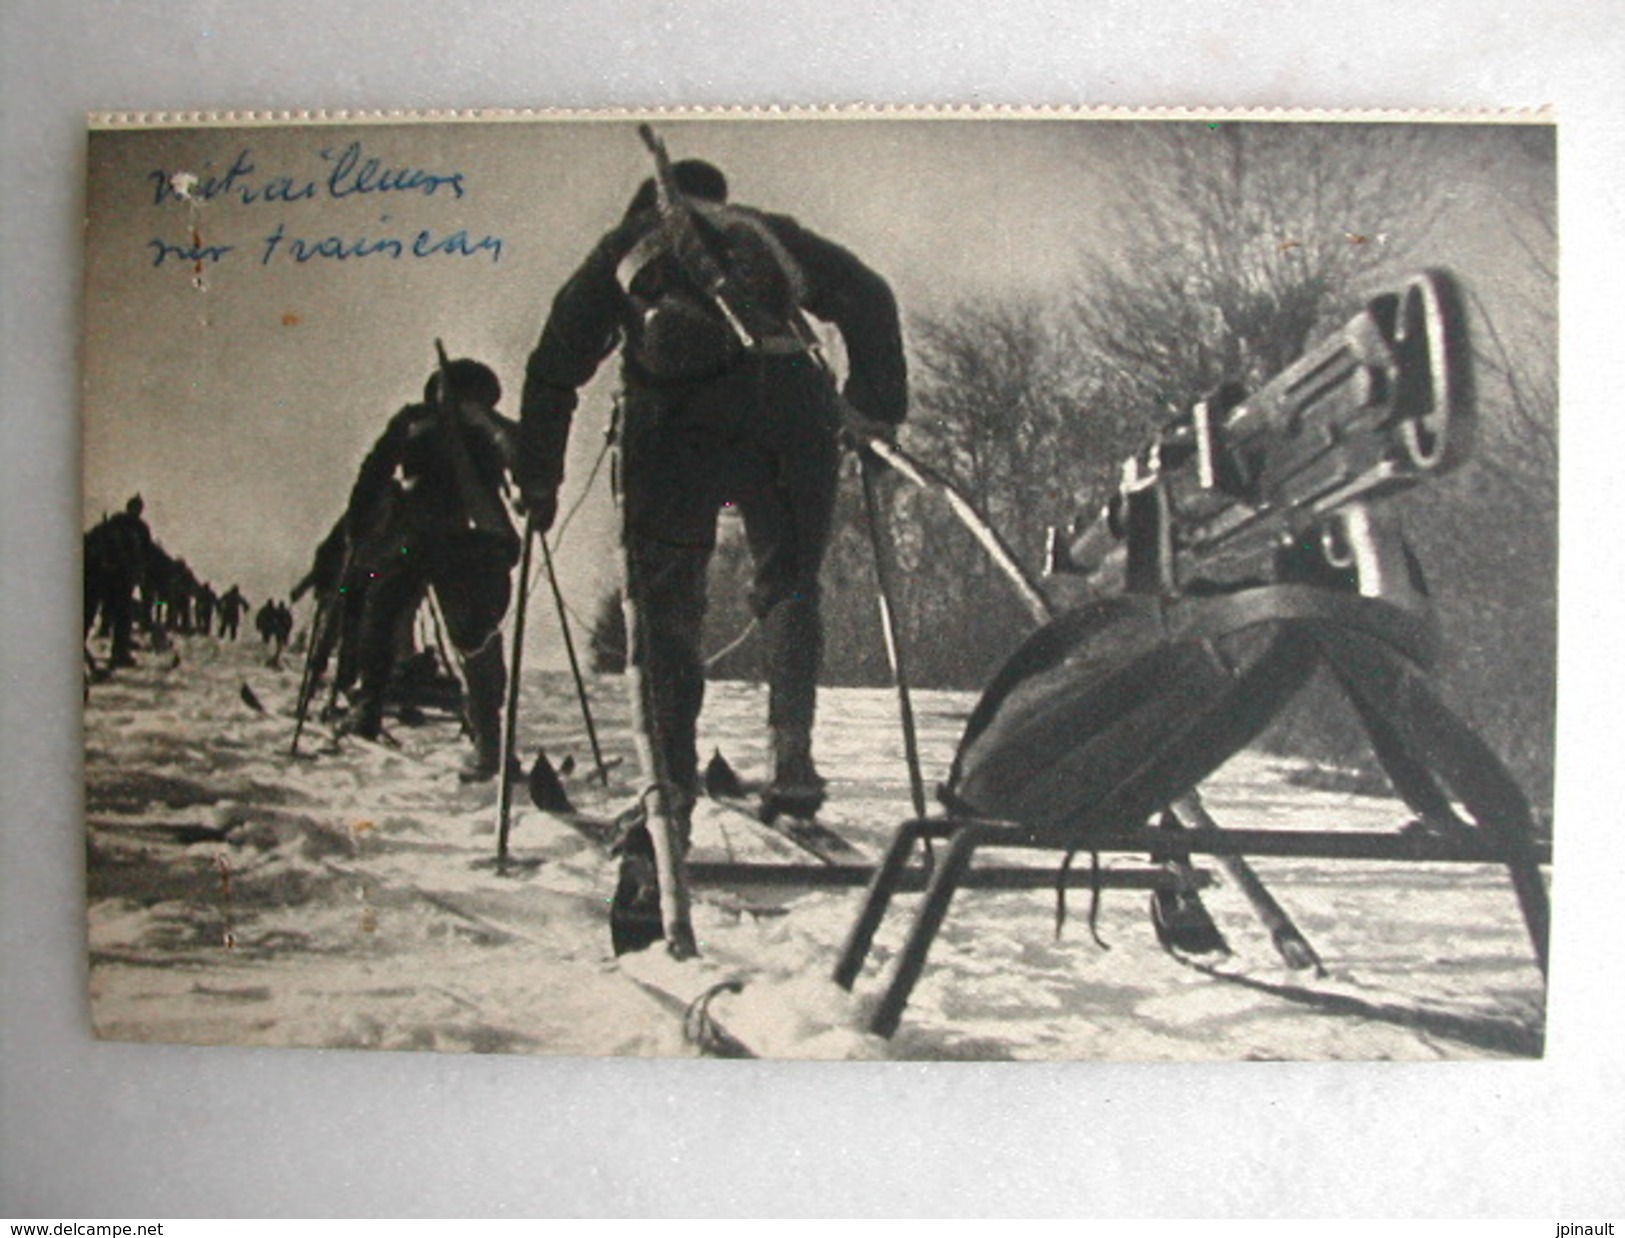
(538, 491)
(538, 502)
(537, 474)
(881, 411)
(859, 432)
(538, 465)
(861, 426)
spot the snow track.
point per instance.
(239, 895)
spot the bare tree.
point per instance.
(1236, 244)
(1516, 340)
(1007, 406)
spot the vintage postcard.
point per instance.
(856, 585)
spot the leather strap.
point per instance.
(1207, 618)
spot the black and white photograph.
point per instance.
(853, 586)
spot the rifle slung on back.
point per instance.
(481, 510)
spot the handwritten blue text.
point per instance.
(194, 254)
(281, 247)
(352, 172)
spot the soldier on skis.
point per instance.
(715, 412)
(231, 605)
(426, 512)
(207, 604)
(117, 554)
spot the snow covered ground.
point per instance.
(240, 895)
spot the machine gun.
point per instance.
(1218, 495)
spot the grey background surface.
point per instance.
(141, 1132)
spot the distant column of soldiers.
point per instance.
(274, 623)
(132, 583)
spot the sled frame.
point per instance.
(1433, 759)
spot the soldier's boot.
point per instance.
(122, 653)
(485, 762)
(794, 787)
(366, 718)
(634, 915)
(486, 678)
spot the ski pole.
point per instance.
(575, 665)
(858, 427)
(978, 525)
(510, 712)
(873, 435)
(884, 578)
(307, 681)
(329, 611)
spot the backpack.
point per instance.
(681, 332)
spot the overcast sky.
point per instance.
(237, 387)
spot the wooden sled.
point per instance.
(1114, 714)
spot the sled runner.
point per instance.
(1244, 549)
